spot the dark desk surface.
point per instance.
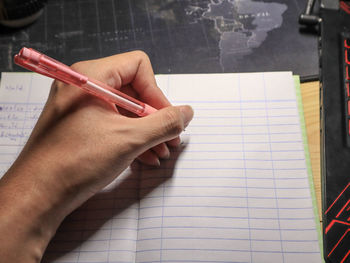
(179, 36)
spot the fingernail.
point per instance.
(166, 154)
(187, 114)
(157, 162)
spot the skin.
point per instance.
(79, 145)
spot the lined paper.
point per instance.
(236, 190)
(239, 190)
(22, 97)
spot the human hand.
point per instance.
(82, 143)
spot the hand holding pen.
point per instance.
(37, 62)
(79, 145)
(135, 77)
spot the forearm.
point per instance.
(29, 217)
(79, 145)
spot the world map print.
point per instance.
(180, 36)
(242, 25)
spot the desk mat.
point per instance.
(179, 36)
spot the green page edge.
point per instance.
(308, 161)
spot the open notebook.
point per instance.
(237, 189)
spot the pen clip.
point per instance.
(37, 62)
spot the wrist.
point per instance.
(29, 214)
(24, 228)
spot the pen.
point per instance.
(42, 64)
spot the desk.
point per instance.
(310, 96)
(179, 36)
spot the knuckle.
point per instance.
(85, 66)
(173, 122)
(141, 55)
(77, 65)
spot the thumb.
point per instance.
(165, 124)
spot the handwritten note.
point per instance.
(236, 191)
(22, 97)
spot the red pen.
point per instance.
(37, 62)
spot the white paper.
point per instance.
(236, 191)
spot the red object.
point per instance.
(346, 44)
(347, 254)
(345, 6)
(346, 56)
(339, 241)
(342, 192)
(37, 62)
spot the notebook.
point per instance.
(236, 190)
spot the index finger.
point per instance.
(128, 68)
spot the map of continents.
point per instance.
(180, 36)
(242, 24)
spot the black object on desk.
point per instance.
(335, 128)
(17, 13)
(179, 36)
(308, 18)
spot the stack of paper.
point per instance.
(236, 191)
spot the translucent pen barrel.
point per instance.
(35, 61)
(120, 99)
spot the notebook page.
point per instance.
(104, 229)
(238, 190)
(94, 234)
(22, 98)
